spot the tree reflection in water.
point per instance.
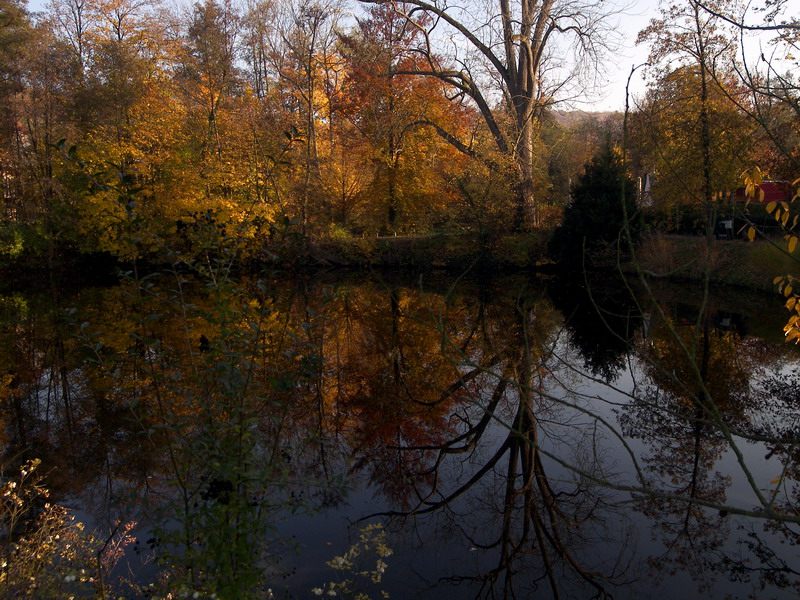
(516, 442)
(697, 401)
(486, 416)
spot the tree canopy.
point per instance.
(292, 118)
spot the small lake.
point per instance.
(421, 436)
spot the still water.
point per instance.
(424, 437)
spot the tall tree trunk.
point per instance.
(312, 160)
(525, 208)
(394, 161)
(705, 130)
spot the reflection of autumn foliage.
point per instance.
(52, 411)
(418, 420)
(160, 397)
(704, 366)
(757, 559)
(384, 375)
(252, 397)
(698, 377)
(684, 451)
(777, 402)
(683, 454)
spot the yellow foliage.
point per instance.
(44, 552)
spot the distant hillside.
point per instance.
(569, 118)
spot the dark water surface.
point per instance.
(512, 437)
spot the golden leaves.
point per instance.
(786, 286)
(752, 179)
(780, 210)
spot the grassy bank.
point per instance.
(451, 251)
(752, 265)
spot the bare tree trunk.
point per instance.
(525, 209)
(705, 131)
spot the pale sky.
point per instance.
(618, 68)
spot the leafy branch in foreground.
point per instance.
(781, 211)
(44, 552)
(354, 567)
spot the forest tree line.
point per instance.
(311, 117)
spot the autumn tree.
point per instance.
(257, 29)
(209, 63)
(769, 96)
(15, 34)
(269, 112)
(306, 34)
(221, 165)
(686, 36)
(128, 120)
(74, 20)
(775, 106)
(379, 106)
(513, 43)
(126, 53)
(392, 111)
(769, 34)
(40, 112)
(696, 144)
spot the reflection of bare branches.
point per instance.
(769, 568)
(537, 521)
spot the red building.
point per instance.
(778, 191)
